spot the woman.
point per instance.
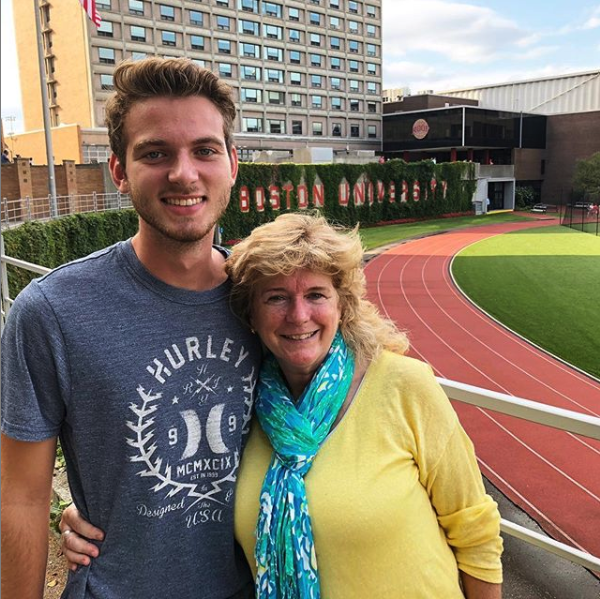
(373, 489)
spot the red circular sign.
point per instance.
(420, 129)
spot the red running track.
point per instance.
(551, 474)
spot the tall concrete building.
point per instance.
(305, 74)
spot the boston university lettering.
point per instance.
(348, 193)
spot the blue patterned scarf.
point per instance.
(285, 552)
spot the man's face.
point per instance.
(178, 171)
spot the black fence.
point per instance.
(582, 215)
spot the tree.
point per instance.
(524, 196)
(586, 179)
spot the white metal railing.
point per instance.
(574, 422)
(15, 212)
(582, 424)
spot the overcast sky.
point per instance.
(436, 44)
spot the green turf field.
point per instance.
(542, 283)
(376, 236)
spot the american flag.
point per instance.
(90, 8)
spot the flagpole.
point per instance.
(46, 112)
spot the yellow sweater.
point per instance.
(395, 494)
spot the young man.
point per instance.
(132, 357)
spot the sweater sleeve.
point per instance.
(449, 472)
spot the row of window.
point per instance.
(258, 96)
(109, 56)
(316, 81)
(138, 33)
(267, 8)
(258, 125)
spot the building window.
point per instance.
(336, 103)
(317, 101)
(335, 23)
(371, 68)
(317, 129)
(106, 82)
(252, 125)
(315, 39)
(250, 73)
(371, 50)
(225, 70)
(223, 46)
(296, 99)
(249, 94)
(354, 27)
(296, 127)
(250, 50)
(336, 83)
(138, 55)
(197, 42)
(295, 56)
(248, 27)
(106, 55)
(335, 43)
(314, 18)
(295, 78)
(294, 14)
(222, 2)
(371, 11)
(334, 3)
(275, 126)
(336, 63)
(274, 75)
(294, 36)
(273, 53)
(136, 7)
(168, 38)
(104, 4)
(316, 60)
(371, 87)
(248, 5)
(316, 81)
(354, 105)
(199, 62)
(353, 66)
(224, 23)
(371, 131)
(196, 17)
(275, 97)
(354, 130)
(272, 10)
(167, 13)
(353, 7)
(371, 107)
(354, 46)
(354, 85)
(336, 130)
(138, 34)
(371, 31)
(105, 29)
(273, 32)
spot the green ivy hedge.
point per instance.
(458, 175)
(56, 242)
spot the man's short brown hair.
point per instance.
(163, 77)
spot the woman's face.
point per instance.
(297, 317)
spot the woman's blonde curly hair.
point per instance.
(307, 241)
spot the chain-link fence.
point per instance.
(15, 212)
(583, 215)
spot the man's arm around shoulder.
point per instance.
(27, 469)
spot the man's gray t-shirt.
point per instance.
(150, 388)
